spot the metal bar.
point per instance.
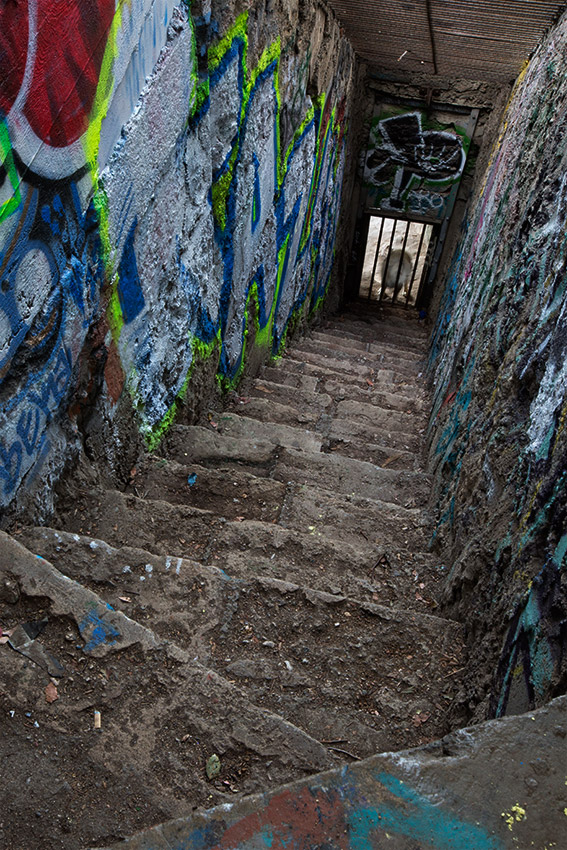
(376, 259)
(385, 272)
(402, 255)
(434, 250)
(416, 264)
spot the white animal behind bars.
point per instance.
(389, 273)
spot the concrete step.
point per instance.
(203, 445)
(195, 444)
(320, 366)
(381, 431)
(381, 357)
(162, 716)
(388, 315)
(298, 373)
(271, 409)
(378, 331)
(366, 392)
(245, 548)
(298, 379)
(309, 400)
(350, 419)
(227, 491)
(350, 517)
(236, 494)
(297, 652)
(351, 476)
(291, 428)
(244, 427)
(337, 339)
(392, 456)
(346, 363)
(325, 390)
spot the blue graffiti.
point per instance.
(418, 819)
(130, 292)
(96, 631)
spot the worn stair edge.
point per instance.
(475, 789)
(168, 565)
(348, 344)
(193, 443)
(381, 356)
(275, 493)
(262, 387)
(107, 630)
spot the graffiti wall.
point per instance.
(415, 160)
(168, 191)
(498, 439)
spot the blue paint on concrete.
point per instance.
(96, 631)
(416, 818)
(130, 292)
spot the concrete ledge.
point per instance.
(497, 786)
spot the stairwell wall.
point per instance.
(498, 443)
(170, 188)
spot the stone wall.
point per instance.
(498, 444)
(170, 186)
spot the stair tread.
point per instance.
(381, 356)
(245, 427)
(235, 493)
(247, 547)
(330, 389)
(229, 492)
(259, 632)
(351, 344)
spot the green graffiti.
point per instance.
(10, 206)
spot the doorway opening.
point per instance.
(397, 257)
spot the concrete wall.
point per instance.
(170, 186)
(498, 438)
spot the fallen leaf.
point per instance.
(51, 693)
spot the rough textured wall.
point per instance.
(498, 439)
(170, 185)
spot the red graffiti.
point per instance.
(51, 53)
(313, 818)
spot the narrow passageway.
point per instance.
(283, 408)
(274, 560)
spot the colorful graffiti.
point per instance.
(414, 163)
(498, 357)
(349, 810)
(118, 197)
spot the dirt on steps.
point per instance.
(270, 571)
(162, 715)
(324, 662)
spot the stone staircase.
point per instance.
(262, 591)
